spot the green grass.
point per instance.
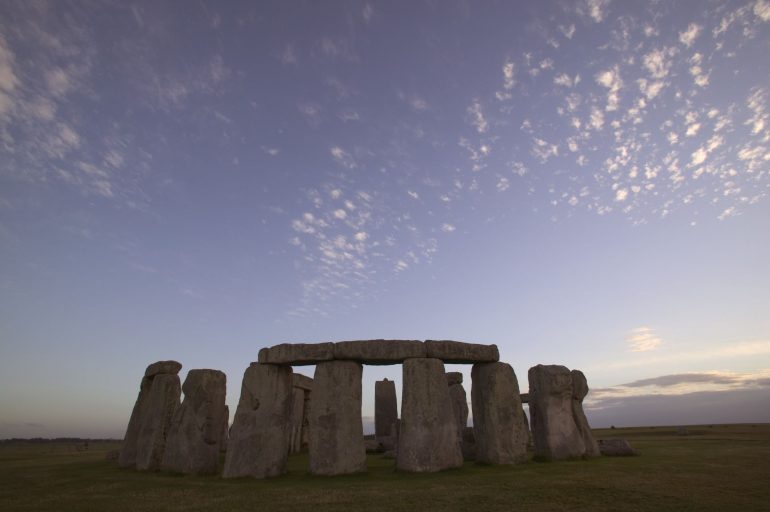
(720, 468)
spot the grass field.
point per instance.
(720, 468)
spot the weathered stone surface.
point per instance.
(459, 400)
(469, 444)
(169, 367)
(616, 448)
(524, 398)
(127, 457)
(140, 412)
(462, 353)
(260, 432)
(297, 416)
(579, 392)
(336, 440)
(162, 401)
(385, 413)
(297, 354)
(192, 445)
(225, 435)
(454, 378)
(497, 415)
(555, 433)
(428, 439)
(302, 381)
(376, 352)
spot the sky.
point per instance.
(581, 183)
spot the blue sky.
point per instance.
(581, 183)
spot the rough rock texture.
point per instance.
(428, 439)
(297, 416)
(460, 352)
(459, 400)
(550, 406)
(297, 354)
(469, 444)
(260, 432)
(497, 415)
(454, 378)
(336, 440)
(163, 399)
(141, 412)
(579, 392)
(524, 398)
(192, 445)
(616, 448)
(169, 367)
(378, 351)
(301, 381)
(385, 413)
(225, 435)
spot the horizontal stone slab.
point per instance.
(378, 352)
(297, 354)
(163, 367)
(301, 381)
(458, 352)
(524, 398)
(454, 378)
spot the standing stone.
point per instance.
(192, 445)
(336, 441)
(579, 392)
(459, 400)
(428, 439)
(385, 413)
(163, 400)
(550, 407)
(297, 416)
(225, 435)
(141, 411)
(260, 431)
(497, 415)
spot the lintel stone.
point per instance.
(458, 352)
(378, 352)
(297, 354)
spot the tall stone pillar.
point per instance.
(428, 439)
(260, 432)
(336, 440)
(225, 430)
(498, 423)
(579, 392)
(297, 416)
(193, 441)
(385, 413)
(555, 433)
(459, 401)
(145, 438)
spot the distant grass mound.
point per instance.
(700, 468)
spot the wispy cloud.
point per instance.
(643, 339)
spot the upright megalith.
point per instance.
(428, 439)
(260, 432)
(556, 436)
(459, 400)
(225, 430)
(579, 392)
(336, 440)
(194, 438)
(497, 415)
(385, 414)
(297, 416)
(145, 439)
